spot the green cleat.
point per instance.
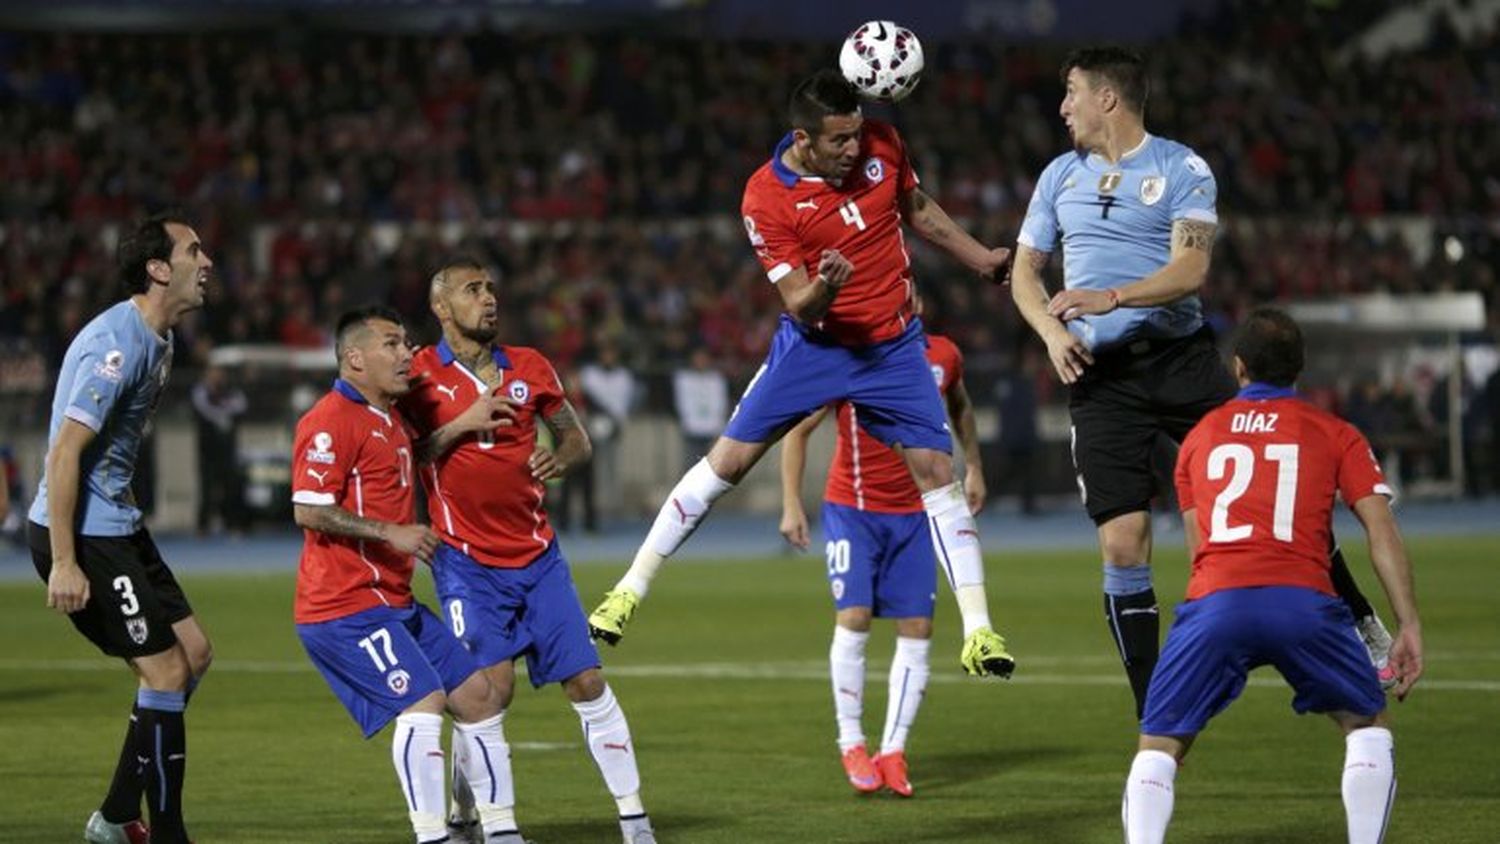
(607, 623)
(984, 655)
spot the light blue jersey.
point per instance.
(111, 380)
(1115, 223)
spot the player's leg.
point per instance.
(852, 548)
(1114, 432)
(480, 605)
(797, 378)
(161, 739)
(380, 673)
(481, 756)
(1203, 668)
(607, 734)
(905, 590)
(1368, 784)
(1324, 661)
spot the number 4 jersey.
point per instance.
(349, 454)
(1261, 472)
(791, 219)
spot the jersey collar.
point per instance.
(787, 176)
(445, 354)
(347, 390)
(1259, 391)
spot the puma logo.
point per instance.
(850, 692)
(379, 434)
(806, 204)
(317, 476)
(967, 532)
(451, 392)
(623, 747)
(684, 514)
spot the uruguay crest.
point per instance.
(1153, 188)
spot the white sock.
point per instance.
(955, 538)
(461, 798)
(608, 737)
(1148, 797)
(1369, 783)
(684, 509)
(485, 762)
(908, 685)
(417, 753)
(846, 667)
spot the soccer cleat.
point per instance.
(984, 655)
(465, 830)
(861, 770)
(892, 768)
(1378, 643)
(100, 831)
(607, 623)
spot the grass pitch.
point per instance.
(723, 678)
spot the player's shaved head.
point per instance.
(1117, 68)
(1269, 346)
(354, 327)
(441, 283)
(824, 94)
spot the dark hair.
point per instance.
(1269, 343)
(352, 322)
(824, 93)
(1124, 70)
(148, 241)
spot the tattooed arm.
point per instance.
(333, 520)
(571, 450)
(1192, 246)
(933, 223)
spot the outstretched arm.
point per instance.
(793, 463)
(933, 223)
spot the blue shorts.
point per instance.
(1214, 642)
(382, 660)
(880, 560)
(501, 614)
(890, 383)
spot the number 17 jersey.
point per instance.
(792, 218)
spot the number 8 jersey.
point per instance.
(349, 454)
(791, 219)
(1261, 472)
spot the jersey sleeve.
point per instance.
(953, 365)
(1194, 192)
(774, 241)
(323, 454)
(105, 371)
(1182, 475)
(1359, 473)
(1039, 229)
(550, 395)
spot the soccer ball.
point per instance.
(882, 59)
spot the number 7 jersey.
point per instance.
(791, 219)
(1261, 472)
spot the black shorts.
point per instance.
(1128, 399)
(133, 598)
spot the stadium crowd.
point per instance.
(603, 174)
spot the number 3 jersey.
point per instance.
(349, 454)
(481, 497)
(791, 219)
(1261, 472)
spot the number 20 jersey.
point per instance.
(1262, 476)
(791, 219)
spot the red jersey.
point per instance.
(481, 497)
(1261, 472)
(351, 455)
(791, 219)
(866, 473)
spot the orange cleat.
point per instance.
(892, 768)
(862, 773)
